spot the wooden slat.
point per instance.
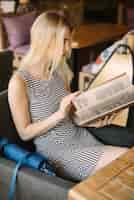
(85, 194)
(117, 190)
(127, 177)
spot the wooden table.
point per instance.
(113, 182)
(92, 34)
(87, 38)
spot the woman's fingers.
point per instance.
(112, 117)
(105, 120)
(75, 93)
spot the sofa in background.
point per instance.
(15, 27)
(15, 33)
(31, 184)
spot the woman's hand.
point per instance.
(107, 120)
(66, 103)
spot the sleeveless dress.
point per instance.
(73, 150)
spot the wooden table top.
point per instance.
(89, 35)
(113, 182)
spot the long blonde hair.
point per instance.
(47, 44)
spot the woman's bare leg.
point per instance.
(110, 154)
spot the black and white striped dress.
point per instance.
(73, 150)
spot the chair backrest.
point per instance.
(6, 59)
(7, 127)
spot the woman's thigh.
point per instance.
(110, 154)
(114, 135)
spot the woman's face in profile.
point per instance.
(67, 42)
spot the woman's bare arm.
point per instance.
(18, 101)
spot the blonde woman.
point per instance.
(40, 103)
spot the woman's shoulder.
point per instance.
(17, 91)
(16, 83)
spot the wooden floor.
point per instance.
(113, 182)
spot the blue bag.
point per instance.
(25, 158)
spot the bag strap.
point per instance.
(3, 142)
(15, 173)
(44, 166)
